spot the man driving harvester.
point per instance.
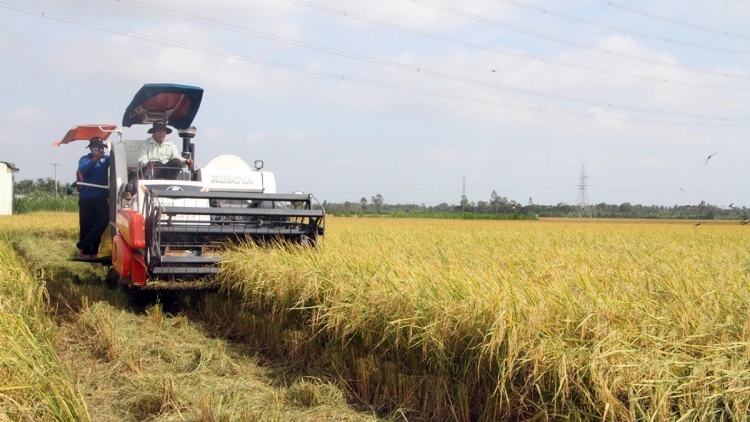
(158, 157)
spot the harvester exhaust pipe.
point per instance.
(188, 148)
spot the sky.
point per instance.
(416, 100)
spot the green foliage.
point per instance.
(510, 209)
(377, 202)
(41, 201)
(450, 216)
(28, 186)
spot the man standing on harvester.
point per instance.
(93, 208)
(159, 157)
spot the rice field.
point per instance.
(433, 320)
(466, 320)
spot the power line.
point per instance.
(622, 30)
(574, 43)
(411, 68)
(675, 21)
(361, 18)
(363, 81)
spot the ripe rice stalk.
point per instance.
(34, 383)
(533, 319)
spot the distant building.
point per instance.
(6, 187)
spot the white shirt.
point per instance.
(149, 150)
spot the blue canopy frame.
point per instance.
(175, 104)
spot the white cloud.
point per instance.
(57, 75)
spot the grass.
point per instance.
(466, 320)
(45, 202)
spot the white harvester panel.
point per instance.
(131, 152)
(230, 173)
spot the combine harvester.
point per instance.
(169, 233)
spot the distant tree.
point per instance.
(363, 203)
(377, 202)
(703, 210)
(464, 203)
(23, 187)
(27, 187)
(494, 201)
(442, 207)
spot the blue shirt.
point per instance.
(94, 172)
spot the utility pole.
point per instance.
(55, 164)
(583, 199)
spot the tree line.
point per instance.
(496, 205)
(501, 205)
(39, 186)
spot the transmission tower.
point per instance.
(583, 198)
(464, 200)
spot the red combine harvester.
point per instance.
(168, 234)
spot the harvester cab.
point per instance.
(170, 233)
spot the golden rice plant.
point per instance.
(34, 385)
(486, 320)
(52, 225)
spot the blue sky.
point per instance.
(407, 134)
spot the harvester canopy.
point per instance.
(175, 104)
(85, 133)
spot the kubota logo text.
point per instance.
(239, 180)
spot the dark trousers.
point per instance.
(93, 218)
(166, 171)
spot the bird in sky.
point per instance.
(731, 205)
(709, 157)
(681, 189)
(494, 70)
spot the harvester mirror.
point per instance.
(258, 164)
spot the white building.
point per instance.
(6, 187)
